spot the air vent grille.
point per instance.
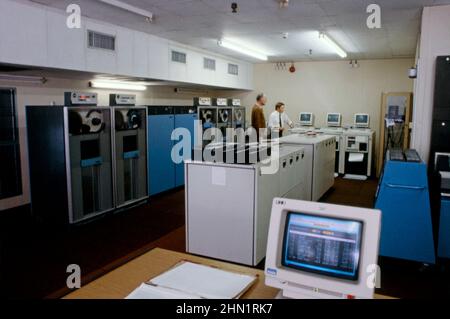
(103, 41)
(179, 57)
(233, 69)
(209, 64)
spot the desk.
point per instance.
(120, 282)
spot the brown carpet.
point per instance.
(33, 261)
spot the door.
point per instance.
(161, 166)
(186, 121)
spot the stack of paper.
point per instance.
(193, 281)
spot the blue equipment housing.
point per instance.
(403, 197)
(162, 120)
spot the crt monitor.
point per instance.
(334, 119)
(306, 119)
(362, 120)
(318, 250)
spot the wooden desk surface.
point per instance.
(120, 282)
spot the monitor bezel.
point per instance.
(366, 124)
(334, 124)
(311, 120)
(351, 279)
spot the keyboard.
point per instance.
(412, 156)
(396, 155)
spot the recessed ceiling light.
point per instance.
(127, 7)
(23, 78)
(240, 49)
(115, 85)
(333, 45)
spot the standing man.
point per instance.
(279, 119)
(258, 118)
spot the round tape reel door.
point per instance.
(238, 116)
(95, 121)
(134, 119)
(223, 115)
(207, 117)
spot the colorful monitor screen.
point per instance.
(322, 245)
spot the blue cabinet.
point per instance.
(403, 198)
(186, 121)
(164, 174)
(444, 229)
(161, 167)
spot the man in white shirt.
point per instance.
(278, 120)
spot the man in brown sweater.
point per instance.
(258, 118)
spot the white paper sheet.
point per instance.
(146, 291)
(356, 158)
(204, 281)
(219, 176)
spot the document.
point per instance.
(146, 291)
(193, 281)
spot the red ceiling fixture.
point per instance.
(292, 69)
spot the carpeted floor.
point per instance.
(33, 261)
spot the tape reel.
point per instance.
(238, 115)
(134, 119)
(207, 116)
(223, 116)
(86, 122)
(94, 119)
(128, 119)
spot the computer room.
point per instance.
(212, 149)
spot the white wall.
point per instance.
(434, 41)
(322, 87)
(36, 35)
(53, 91)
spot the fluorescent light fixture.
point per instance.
(336, 48)
(240, 49)
(23, 78)
(125, 6)
(113, 85)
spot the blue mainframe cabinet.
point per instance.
(186, 121)
(164, 174)
(161, 168)
(403, 198)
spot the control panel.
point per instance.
(220, 102)
(412, 156)
(234, 102)
(396, 155)
(357, 143)
(202, 101)
(122, 100)
(80, 99)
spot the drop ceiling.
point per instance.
(260, 24)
